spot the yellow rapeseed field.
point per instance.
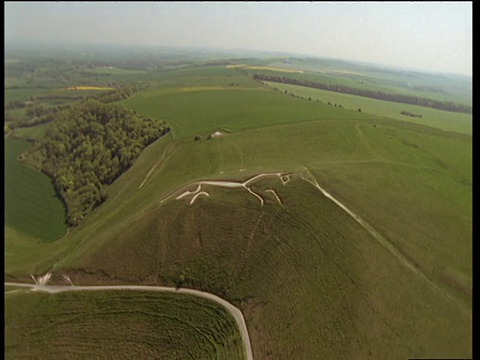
(86, 87)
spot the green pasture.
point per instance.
(445, 120)
(197, 76)
(15, 114)
(204, 112)
(441, 87)
(22, 94)
(310, 280)
(357, 82)
(339, 286)
(31, 205)
(115, 71)
(33, 132)
(118, 324)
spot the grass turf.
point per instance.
(31, 205)
(118, 324)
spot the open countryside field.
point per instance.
(31, 204)
(118, 324)
(325, 153)
(115, 71)
(21, 94)
(276, 261)
(89, 87)
(441, 87)
(244, 66)
(204, 112)
(33, 132)
(310, 279)
(445, 120)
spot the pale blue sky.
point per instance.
(434, 36)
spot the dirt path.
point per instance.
(383, 241)
(197, 195)
(236, 313)
(364, 141)
(162, 158)
(275, 194)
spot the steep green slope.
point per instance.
(310, 280)
(308, 277)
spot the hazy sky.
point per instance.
(434, 36)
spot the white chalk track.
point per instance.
(234, 184)
(41, 285)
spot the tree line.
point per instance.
(37, 114)
(400, 98)
(87, 147)
(118, 94)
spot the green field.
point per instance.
(364, 169)
(31, 132)
(445, 120)
(22, 94)
(118, 324)
(311, 281)
(366, 76)
(114, 71)
(274, 262)
(206, 111)
(31, 205)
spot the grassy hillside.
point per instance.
(118, 324)
(207, 110)
(308, 246)
(444, 120)
(310, 279)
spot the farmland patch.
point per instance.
(138, 324)
(31, 204)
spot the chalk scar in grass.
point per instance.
(232, 184)
(275, 194)
(197, 195)
(384, 242)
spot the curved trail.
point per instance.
(162, 158)
(236, 313)
(384, 242)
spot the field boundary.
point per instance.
(235, 312)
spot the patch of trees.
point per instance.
(407, 113)
(16, 104)
(370, 93)
(334, 104)
(87, 147)
(35, 115)
(117, 94)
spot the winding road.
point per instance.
(236, 313)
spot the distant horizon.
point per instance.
(264, 53)
(422, 36)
